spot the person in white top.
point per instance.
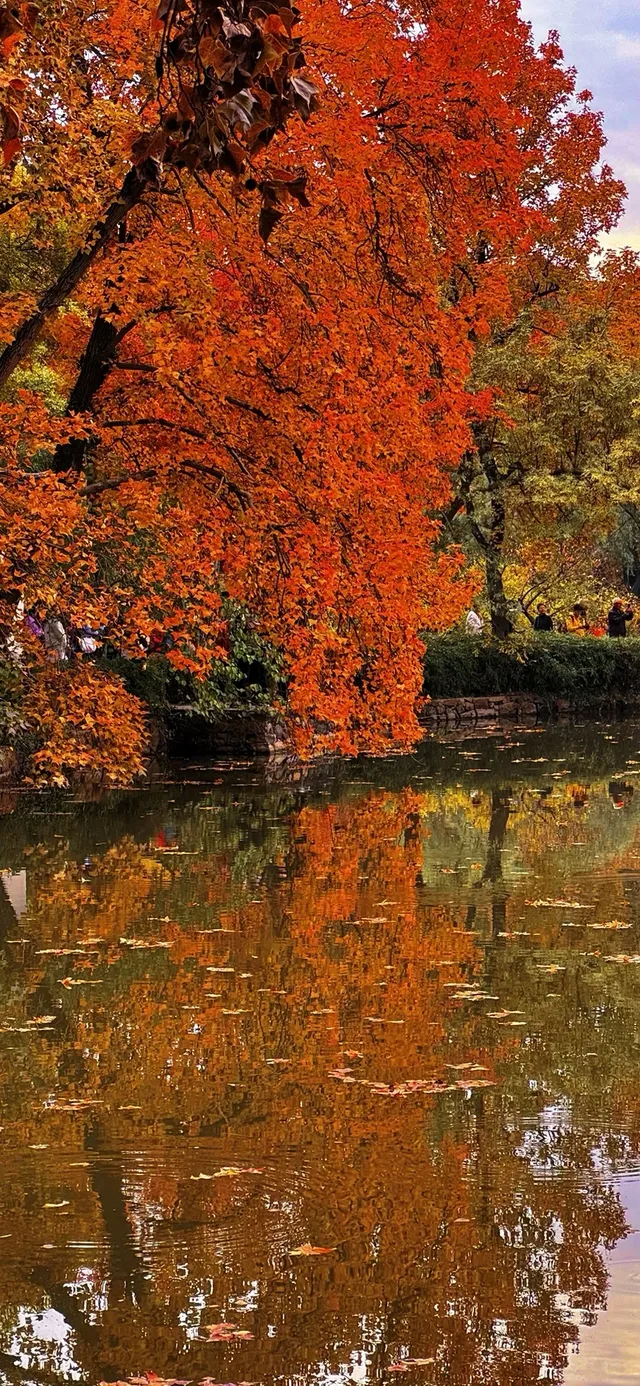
(474, 624)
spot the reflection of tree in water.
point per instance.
(449, 1242)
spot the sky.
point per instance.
(601, 38)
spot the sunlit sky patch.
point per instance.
(601, 38)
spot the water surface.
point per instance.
(346, 1061)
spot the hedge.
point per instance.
(577, 668)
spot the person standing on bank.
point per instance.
(543, 620)
(577, 620)
(618, 619)
(474, 624)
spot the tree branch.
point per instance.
(97, 487)
(130, 194)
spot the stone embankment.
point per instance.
(265, 733)
(442, 714)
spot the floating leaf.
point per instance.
(558, 905)
(308, 1250)
(146, 943)
(225, 1332)
(234, 1171)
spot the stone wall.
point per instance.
(236, 734)
(443, 713)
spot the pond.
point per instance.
(327, 1076)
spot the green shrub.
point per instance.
(249, 679)
(580, 668)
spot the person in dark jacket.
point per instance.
(618, 619)
(543, 620)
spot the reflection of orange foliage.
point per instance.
(432, 1202)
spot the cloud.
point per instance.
(626, 46)
(601, 38)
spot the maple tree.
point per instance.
(213, 391)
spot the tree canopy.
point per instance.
(251, 261)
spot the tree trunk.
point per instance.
(98, 358)
(131, 192)
(482, 464)
(501, 626)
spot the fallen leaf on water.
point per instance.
(43, 1019)
(502, 1015)
(221, 969)
(225, 1332)
(308, 1250)
(408, 1088)
(64, 1203)
(352, 1054)
(209, 1381)
(558, 905)
(613, 924)
(59, 952)
(79, 1105)
(150, 1379)
(236, 1012)
(408, 1362)
(201, 1176)
(550, 967)
(78, 982)
(233, 1171)
(473, 996)
(145, 943)
(623, 958)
